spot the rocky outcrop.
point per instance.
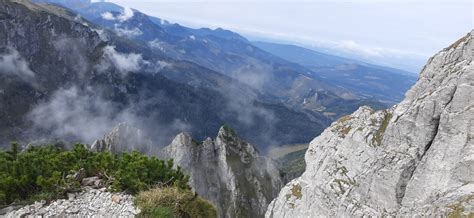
(413, 159)
(88, 203)
(227, 171)
(123, 138)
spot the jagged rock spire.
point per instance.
(227, 171)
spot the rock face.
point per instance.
(227, 171)
(416, 158)
(123, 138)
(88, 203)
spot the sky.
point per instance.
(396, 33)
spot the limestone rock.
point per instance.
(116, 199)
(123, 138)
(92, 181)
(227, 171)
(88, 203)
(416, 158)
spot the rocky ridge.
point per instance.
(227, 171)
(413, 159)
(123, 138)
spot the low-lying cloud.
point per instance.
(122, 62)
(127, 32)
(125, 15)
(12, 63)
(83, 116)
(107, 16)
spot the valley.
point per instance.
(141, 116)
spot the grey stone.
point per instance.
(228, 172)
(90, 202)
(91, 181)
(123, 138)
(71, 196)
(414, 159)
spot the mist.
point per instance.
(11, 63)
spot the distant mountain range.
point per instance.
(383, 83)
(98, 64)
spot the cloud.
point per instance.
(352, 46)
(162, 64)
(130, 33)
(157, 44)
(126, 14)
(107, 16)
(102, 34)
(254, 74)
(11, 63)
(72, 52)
(123, 63)
(72, 114)
(83, 115)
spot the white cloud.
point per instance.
(163, 64)
(11, 63)
(131, 33)
(107, 16)
(102, 34)
(157, 44)
(123, 63)
(352, 46)
(126, 14)
(78, 115)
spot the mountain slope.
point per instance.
(220, 50)
(77, 82)
(386, 84)
(414, 159)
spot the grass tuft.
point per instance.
(296, 191)
(378, 136)
(173, 202)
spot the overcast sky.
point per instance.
(397, 33)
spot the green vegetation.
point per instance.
(344, 131)
(228, 129)
(345, 119)
(378, 136)
(292, 165)
(173, 202)
(296, 191)
(48, 172)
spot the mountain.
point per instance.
(63, 77)
(368, 80)
(227, 171)
(220, 50)
(414, 159)
(123, 138)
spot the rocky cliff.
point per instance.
(227, 171)
(123, 138)
(416, 158)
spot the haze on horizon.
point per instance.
(401, 34)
